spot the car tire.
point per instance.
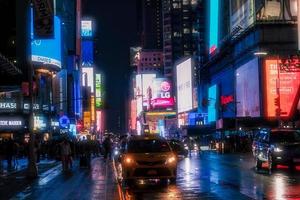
(292, 166)
(164, 181)
(173, 180)
(128, 183)
(258, 164)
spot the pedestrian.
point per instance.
(107, 144)
(9, 152)
(65, 154)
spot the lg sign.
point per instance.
(165, 89)
(165, 86)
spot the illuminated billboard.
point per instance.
(8, 123)
(87, 53)
(184, 86)
(88, 77)
(277, 10)
(281, 85)
(241, 14)
(247, 90)
(135, 55)
(162, 94)
(213, 103)
(93, 108)
(143, 83)
(98, 90)
(133, 114)
(47, 51)
(213, 25)
(86, 28)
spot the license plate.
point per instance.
(296, 159)
(152, 172)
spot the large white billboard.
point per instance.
(184, 86)
(247, 90)
(143, 83)
(88, 72)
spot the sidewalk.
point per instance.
(13, 181)
(98, 182)
(20, 165)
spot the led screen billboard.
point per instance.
(88, 77)
(241, 14)
(247, 90)
(86, 28)
(282, 85)
(213, 103)
(184, 86)
(143, 83)
(161, 93)
(87, 53)
(135, 55)
(47, 51)
(284, 10)
(98, 90)
(213, 25)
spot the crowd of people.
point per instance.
(64, 150)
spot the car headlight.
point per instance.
(128, 160)
(171, 160)
(277, 149)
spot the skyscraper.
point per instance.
(150, 23)
(179, 31)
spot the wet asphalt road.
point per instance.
(214, 176)
(208, 176)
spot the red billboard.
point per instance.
(281, 89)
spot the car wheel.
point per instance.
(173, 180)
(128, 183)
(164, 181)
(292, 166)
(258, 164)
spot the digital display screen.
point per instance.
(184, 86)
(47, 51)
(247, 90)
(280, 84)
(86, 28)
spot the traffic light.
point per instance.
(277, 101)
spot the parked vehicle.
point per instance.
(280, 146)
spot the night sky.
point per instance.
(115, 32)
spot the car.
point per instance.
(278, 146)
(148, 158)
(179, 148)
(191, 144)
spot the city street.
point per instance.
(208, 176)
(214, 176)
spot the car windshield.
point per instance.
(148, 146)
(285, 136)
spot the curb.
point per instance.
(120, 191)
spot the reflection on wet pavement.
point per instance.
(214, 176)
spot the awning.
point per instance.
(7, 67)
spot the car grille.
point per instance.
(151, 163)
(143, 172)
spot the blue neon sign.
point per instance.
(47, 51)
(213, 103)
(87, 52)
(213, 25)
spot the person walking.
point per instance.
(107, 144)
(65, 154)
